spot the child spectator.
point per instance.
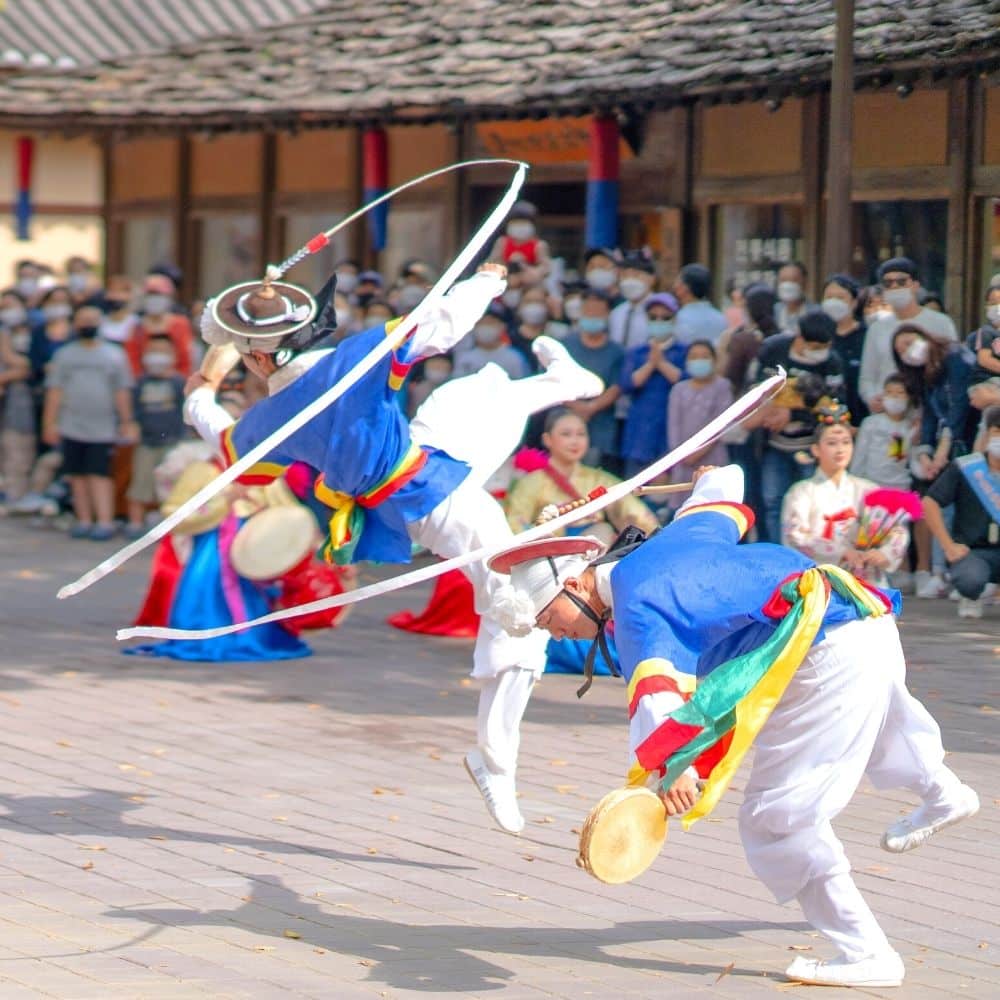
(88, 404)
(158, 407)
(882, 450)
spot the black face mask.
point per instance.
(364, 298)
(113, 305)
(86, 332)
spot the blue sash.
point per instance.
(984, 482)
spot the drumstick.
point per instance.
(642, 491)
(551, 511)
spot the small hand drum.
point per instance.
(623, 835)
(274, 542)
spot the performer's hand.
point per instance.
(680, 796)
(130, 432)
(491, 267)
(195, 381)
(700, 471)
(875, 559)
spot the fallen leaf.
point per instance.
(725, 972)
(366, 962)
(87, 866)
(313, 706)
(379, 791)
(982, 946)
(393, 819)
(564, 789)
(146, 774)
(558, 763)
(126, 767)
(63, 743)
(294, 935)
(68, 673)
(280, 819)
(264, 947)
(158, 752)
(58, 812)
(228, 850)
(528, 857)
(434, 756)
(319, 951)
(93, 847)
(800, 947)
(156, 836)
(372, 850)
(573, 829)
(545, 819)
(137, 798)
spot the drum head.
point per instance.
(623, 835)
(273, 542)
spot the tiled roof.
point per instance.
(68, 33)
(427, 59)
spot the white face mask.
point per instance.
(77, 282)
(534, 313)
(633, 288)
(880, 314)
(157, 304)
(573, 308)
(58, 310)
(993, 314)
(343, 317)
(602, 278)
(993, 447)
(487, 334)
(836, 309)
(789, 291)
(410, 296)
(157, 362)
(520, 229)
(917, 353)
(21, 342)
(27, 286)
(898, 298)
(13, 315)
(894, 406)
(347, 281)
(511, 297)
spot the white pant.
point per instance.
(846, 713)
(480, 420)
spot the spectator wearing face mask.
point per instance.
(28, 282)
(985, 344)
(872, 306)
(17, 413)
(427, 375)
(790, 289)
(972, 546)
(489, 347)
(82, 282)
(370, 287)
(54, 329)
(627, 323)
(697, 319)
(734, 308)
(521, 244)
(532, 316)
(814, 371)
(898, 278)
(882, 450)
(414, 283)
(88, 405)
(347, 271)
(649, 374)
(936, 374)
(158, 405)
(120, 318)
(840, 303)
(592, 348)
(695, 402)
(160, 319)
(600, 272)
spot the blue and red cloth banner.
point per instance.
(603, 170)
(22, 203)
(375, 174)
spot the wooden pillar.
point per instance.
(360, 246)
(691, 160)
(268, 182)
(184, 243)
(957, 284)
(838, 186)
(458, 189)
(812, 195)
(111, 251)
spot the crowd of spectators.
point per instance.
(92, 375)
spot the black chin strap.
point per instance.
(600, 642)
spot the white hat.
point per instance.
(537, 572)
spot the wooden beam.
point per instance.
(812, 193)
(957, 285)
(268, 249)
(837, 231)
(763, 188)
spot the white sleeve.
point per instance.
(724, 484)
(205, 415)
(457, 314)
(862, 451)
(868, 384)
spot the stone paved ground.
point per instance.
(305, 829)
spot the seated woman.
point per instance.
(565, 478)
(821, 516)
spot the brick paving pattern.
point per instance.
(305, 828)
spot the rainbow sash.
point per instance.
(348, 517)
(739, 695)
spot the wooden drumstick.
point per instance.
(643, 491)
(218, 361)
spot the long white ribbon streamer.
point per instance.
(739, 411)
(365, 365)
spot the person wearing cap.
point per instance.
(899, 279)
(697, 318)
(489, 346)
(159, 319)
(521, 243)
(649, 373)
(756, 644)
(627, 322)
(600, 271)
(390, 483)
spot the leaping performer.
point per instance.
(758, 642)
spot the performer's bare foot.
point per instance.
(555, 359)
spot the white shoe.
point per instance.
(969, 608)
(554, 358)
(913, 830)
(30, 503)
(498, 792)
(929, 586)
(875, 970)
(989, 593)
